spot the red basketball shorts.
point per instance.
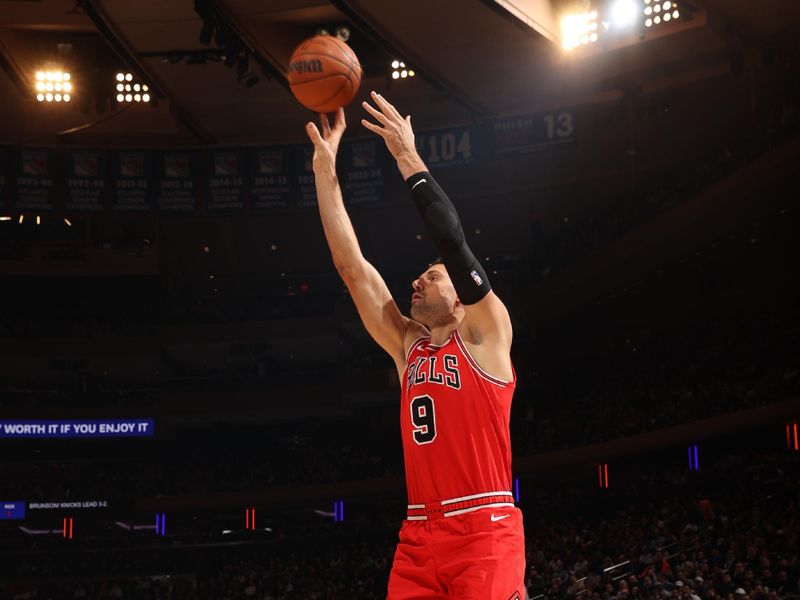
(477, 555)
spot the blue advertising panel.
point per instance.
(110, 428)
(12, 509)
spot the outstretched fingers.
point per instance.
(326, 126)
(313, 134)
(340, 123)
(372, 127)
(379, 116)
(386, 106)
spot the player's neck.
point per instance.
(441, 333)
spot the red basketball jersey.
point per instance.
(455, 426)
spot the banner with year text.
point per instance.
(362, 168)
(175, 173)
(86, 179)
(271, 177)
(225, 180)
(35, 180)
(131, 181)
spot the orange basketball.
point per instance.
(324, 74)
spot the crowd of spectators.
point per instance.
(734, 366)
(728, 533)
(742, 363)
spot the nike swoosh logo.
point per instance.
(423, 180)
(499, 517)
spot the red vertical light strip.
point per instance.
(247, 518)
(65, 527)
(605, 470)
(70, 528)
(795, 437)
(600, 474)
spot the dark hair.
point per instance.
(437, 261)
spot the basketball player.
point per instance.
(463, 536)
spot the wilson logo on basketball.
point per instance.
(306, 66)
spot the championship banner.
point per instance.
(363, 171)
(35, 172)
(271, 177)
(174, 181)
(225, 181)
(85, 185)
(110, 428)
(307, 196)
(131, 183)
(3, 177)
(533, 133)
(448, 147)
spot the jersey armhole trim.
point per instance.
(414, 344)
(474, 364)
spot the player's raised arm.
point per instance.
(486, 319)
(379, 312)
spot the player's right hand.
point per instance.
(326, 144)
(395, 130)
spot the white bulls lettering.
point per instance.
(431, 370)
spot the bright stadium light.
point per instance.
(578, 29)
(657, 12)
(129, 90)
(625, 12)
(52, 86)
(400, 71)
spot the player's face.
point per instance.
(434, 298)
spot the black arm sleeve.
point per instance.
(444, 227)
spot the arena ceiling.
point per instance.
(475, 59)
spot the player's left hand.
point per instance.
(395, 130)
(326, 145)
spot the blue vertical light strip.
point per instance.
(341, 511)
(696, 462)
(516, 489)
(163, 524)
(158, 522)
(691, 465)
(335, 511)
